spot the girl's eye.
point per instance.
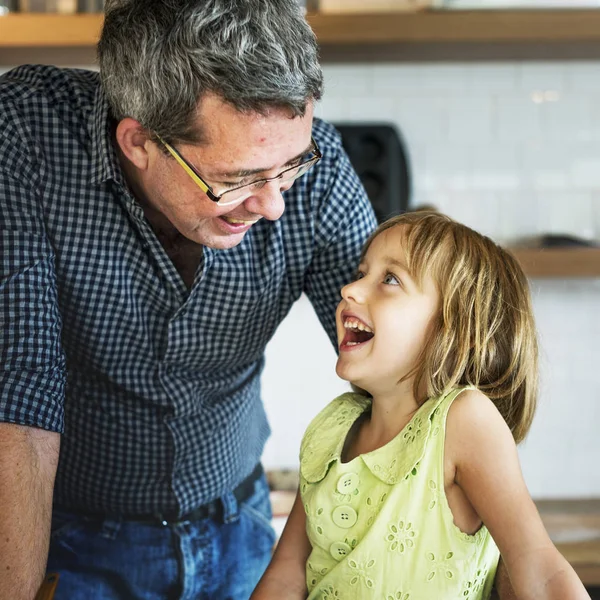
(358, 275)
(391, 279)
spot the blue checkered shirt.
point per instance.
(155, 388)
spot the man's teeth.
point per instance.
(357, 325)
(237, 221)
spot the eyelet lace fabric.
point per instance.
(380, 525)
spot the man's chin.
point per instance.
(224, 242)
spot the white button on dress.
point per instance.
(347, 483)
(344, 516)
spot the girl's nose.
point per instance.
(353, 291)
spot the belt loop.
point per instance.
(231, 511)
(110, 528)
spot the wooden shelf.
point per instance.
(459, 26)
(426, 27)
(44, 30)
(559, 263)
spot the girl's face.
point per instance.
(383, 318)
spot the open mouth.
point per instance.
(235, 226)
(356, 332)
(233, 221)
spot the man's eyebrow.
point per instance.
(248, 172)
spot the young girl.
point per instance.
(411, 487)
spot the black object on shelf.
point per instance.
(7, 6)
(378, 155)
(555, 240)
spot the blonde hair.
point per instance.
(484, 333)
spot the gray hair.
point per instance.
(159, 57)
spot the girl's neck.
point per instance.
(389, 415)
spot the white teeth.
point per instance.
(237, 221)
(352, 323)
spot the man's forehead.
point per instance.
(238, 144)
(217, 116)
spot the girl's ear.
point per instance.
(133, 140)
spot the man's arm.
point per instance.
(28, 460)
(344, 219)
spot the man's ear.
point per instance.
(133, 141)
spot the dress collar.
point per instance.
(322, 445)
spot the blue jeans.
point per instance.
(210, 559)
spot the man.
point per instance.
(146, 262)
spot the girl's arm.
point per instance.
(285, 577)
(487, 469)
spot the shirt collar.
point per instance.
(105, 163)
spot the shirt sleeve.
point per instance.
(32, 363)
(346, 219)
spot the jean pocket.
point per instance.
(258, 509)
(66, 528)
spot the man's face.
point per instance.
(238, 148)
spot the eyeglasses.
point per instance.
(238, 194)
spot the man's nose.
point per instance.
(268, 201)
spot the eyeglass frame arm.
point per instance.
(207, 189)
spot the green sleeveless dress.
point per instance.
(380, 525)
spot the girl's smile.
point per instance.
(357, 334)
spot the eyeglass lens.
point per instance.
(231, 196)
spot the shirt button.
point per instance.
(339, 550)
(347, 483)
(344, 516)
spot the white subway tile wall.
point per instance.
(511, 149)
